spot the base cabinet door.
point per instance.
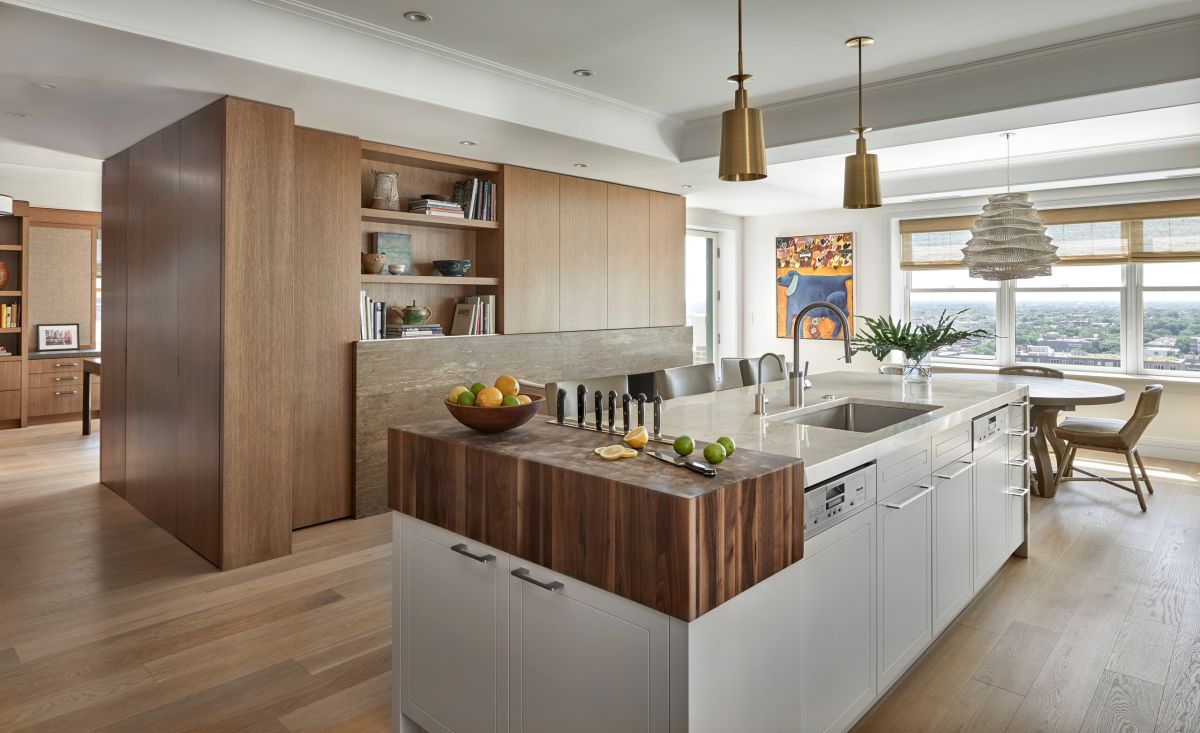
(582, 659)
(837, 618)
(905, 539)
(953, 574)
(990, 510)
(453, 628)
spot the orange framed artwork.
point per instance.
(812, 268)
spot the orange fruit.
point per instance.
(508, 385)
(489, 397)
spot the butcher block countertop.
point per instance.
(657, 534)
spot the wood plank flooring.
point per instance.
(109, 624)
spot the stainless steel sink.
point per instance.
(854, 414)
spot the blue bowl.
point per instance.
(452, 268)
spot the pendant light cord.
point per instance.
(1008, 162)
(860, 95)
(741, 72)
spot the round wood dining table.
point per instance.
(1048, 397)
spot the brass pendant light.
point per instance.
(743, 151)
(862, 169)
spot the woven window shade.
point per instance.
(1158, 231)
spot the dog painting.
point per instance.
(809, 269)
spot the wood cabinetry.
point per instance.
(582, 265)
(667, 235)
(529, 256)
(628, 257)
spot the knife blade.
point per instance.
(690, 465)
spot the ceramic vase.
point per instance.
(387, 191)
(3, 275)
(372, 263)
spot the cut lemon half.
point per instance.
(637, 437)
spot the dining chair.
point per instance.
(685, 380)
(1110, 436)
(893, 369)
(1032, 371)
(771, 370)
(731, 372)
(617, 382)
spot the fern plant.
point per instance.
(882, 335)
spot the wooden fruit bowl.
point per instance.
(495, 419)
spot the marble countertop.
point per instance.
(828, 452)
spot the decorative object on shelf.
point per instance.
(861, 189)
(496, 419)
(808, 269)
(6, 205)
(743, 150)
(1008, 241)
(416, 314)
(387, 191)
(881, 336)
(397, 248)
(373, 262)
(452, 268)
(58, 336)
(3, 274)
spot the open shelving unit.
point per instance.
(14, 233)
(433, 237)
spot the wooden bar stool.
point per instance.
(1111, 436)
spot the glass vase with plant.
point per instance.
(917, 341)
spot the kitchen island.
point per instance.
(540, 588)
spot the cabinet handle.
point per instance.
(461, 549)
(957, 473)
(1019, 462)
(903, 504)
(67, 391)
(67, 364)
(1017, 492)
(1018, 433)
(1017, 404)
(65, 379)
(523, 574)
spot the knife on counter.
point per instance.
(690, 465)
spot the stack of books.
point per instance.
(413, 331)
(475, 316)
(372, 317)
(10, 315)
(477, 198)
(433, 207)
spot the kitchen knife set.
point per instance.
(600, 425)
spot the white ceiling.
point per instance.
(672, 56)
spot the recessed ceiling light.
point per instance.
(418, 16)
(581, 165)
(468, 143)
(687, 185)
(19, 114)
(45, 85)
(583, 72)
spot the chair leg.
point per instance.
(1145, 476)
(1137, 487)
(1064, 471)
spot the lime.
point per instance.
(726, 443)
(714, 453)
(466, 399)
(509, 401)
(454, 393)
(475, 388)
(684, 445)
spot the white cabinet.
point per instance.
(905, 532)
(837, 617)
(991, 509)
(1018, 474)
(582, 659)
(953, 574)
(452, 619)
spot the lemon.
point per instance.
(524, 399)
(628, 453)
(611, 452)
(454, 393)
(508, 385)
(489, 397)
(637, 437)
(509, 401)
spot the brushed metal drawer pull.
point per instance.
(68, 364)
(65, 379)
(67, 391)
(957, 473)
(1017, 492)
(523, 574)
(461, 549)
(903, 504)
(1018, 433)
(1019, 462)
(1017, 404)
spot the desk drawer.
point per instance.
(10, 404)
(65, 364)
(63, 379)
(45, 401)
(10, 376)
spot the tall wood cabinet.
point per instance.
(199, 371)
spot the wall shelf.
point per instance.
(428, 280)
(422, 159)
(383, 216)
(18, 329)
(11, 293)
(11, 248)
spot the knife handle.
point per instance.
(700, 468)
(658, 416)
(580, 402)
(599, 410)
(562, 404)
(641, 399)
(612, 410)
(625, 409)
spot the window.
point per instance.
(1126, 297)
(698, 293)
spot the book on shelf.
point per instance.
(476, 197)
(406, 331)
(475, 316)
(434, 207)
(372, 317)
(10, 315)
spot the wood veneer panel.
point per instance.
(324, 328)
(647, 531)
(257, 379)
(583, 254)
(115, 205)
(667, 224)
(152, 385)
(628, 257)
(530, 217)
(202, 150)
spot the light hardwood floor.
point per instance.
(108, 623)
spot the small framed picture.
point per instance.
(58, 336)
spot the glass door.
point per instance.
(698, 294)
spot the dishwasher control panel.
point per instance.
(832, 501)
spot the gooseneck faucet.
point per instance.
(760, 399)
(798, 382)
